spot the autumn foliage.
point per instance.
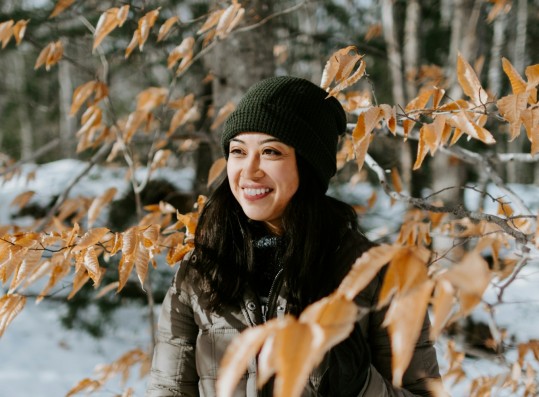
(416, 276)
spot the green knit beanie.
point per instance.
(297, 112)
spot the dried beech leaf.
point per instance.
(442, 305)
(404, 326)
(98, 203)
(142, 257)
(530, 119)
(407, 270)
(91, 263)
(211, 22)
(184, 50)
(532, 74)
(365, 268)
(470, 83)
(6, 31)
(144, 26)
(79, 280)
(19, 29)
(130, 241)
(28, 265)
(90, 238)
(216, 169)
(22, 199)
(60, 6)
(125, 267)
(59, 271)
(390, 116)
(10, 306)
(106, 289)
(108, 21)
(463, 123)
(165, 28)
(239, 353)
(86, 384)
(222, 115)
(228, 19)
(470, 277)
(150, 98)
(518, 85)
(50, 55)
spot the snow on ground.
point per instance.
(39, 357)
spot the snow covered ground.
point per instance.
(39, 357)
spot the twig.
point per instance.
(37, 154)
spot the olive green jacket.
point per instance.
(191, 342)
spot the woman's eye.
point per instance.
(235, 151)
(271, 152)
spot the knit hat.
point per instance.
(297, 112)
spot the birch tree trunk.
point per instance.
(18, 87)
(393, 52)
(498, 41)
(66, 122)
(411, 47)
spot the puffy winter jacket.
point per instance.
(191, 341)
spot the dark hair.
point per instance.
(313, 225)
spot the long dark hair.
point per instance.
(313, 225)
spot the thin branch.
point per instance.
(34, 156)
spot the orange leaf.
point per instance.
(418, 103)
(518, 84)
(511, 107)
(229, 19)
(61, 5)
(223, 113)
(239, 353)
(351, 80)
(462, 122)
(337, 62)
(365, 269)
(185, 49)
(98, 203)
(442, 303)
(79, 280)
(130, 241)
(29, 263)
(145, 24)
(404, 325)
(470, 277)
(390, 116)
(530, 119)
(165, 28)
(91, 238)
(59, 270)
(150, 98)
(6, 31)
(108, 21)
(396, 180)
(10, 306)
(91, 263)
(23, 198)
(142, 257)
(19, 29)
(124, 270)
(216, 169)
(50, 55)
(407, 270)
(85, 384)
(470, 83)
(532, 74)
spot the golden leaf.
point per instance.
(212, 21)
(532, 74)
(407, 269)
(365, 268)
(81, 94)
(510, 108)
(142, 257)
(216, 170)
(79, 280)
(91, 238)
(19, 29)
(337, 62)
(470, 277)
(404, 326)
(418, 103)
(462, 122)
(106, 289)
(165, 28)
(85, 384)
(150, 235)
(442, 304)
(390, 116)
(222, 115)
(518, 85)
(335, 314)
(132, 44)
(229, 19)
(124, 270)
(108, 21)
(91, 263)
(361, 136)
(130, 241)
(50, 55)
(150, 98)
(530, 119)
(11, 265)
(351, 80)
(184, 50)
(60, 269)
(60, 6)
(98, 203)
(6, 31)
(22, 199)
(27, 266)
(470, 83)
(437, 96)
(396, 180)
(10, 306)
(239, 353)
(145, 24)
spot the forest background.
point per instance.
(137, 90)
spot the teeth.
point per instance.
(255, 192)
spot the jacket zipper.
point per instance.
(271, 302)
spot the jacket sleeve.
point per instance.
(422, 370)
(173, 371)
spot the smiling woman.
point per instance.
(269, 242)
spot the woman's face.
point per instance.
(263, 176)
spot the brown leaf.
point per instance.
(510, 108)
(91, 238)
(518, 85)
(462, 122)
(390, 116)
(442, 304)
(184, 50)
(22, 199)
(361, 136)
(98, 203)
(470, 83)
(60, 6)
(239, 353)
(108, 21)
(532, 74)
(125, 267)
(27, 266)
(87, 384)
(60, 268)
(19, 29)
(404, 326)
(142, 257)
(407, 269)
(229, 19)
(144, 26)
(470, 277)
(165, 28)
(10, 306)
(222, 115)
(6, 31)
(211, 22)
(365, 269)
(351, 80)
(91, 263)
(79, 280)
(130, 240)
(337, 63)
(216, 169)
(418, 103)
(50, 55)
(150, 98)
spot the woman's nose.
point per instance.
(252, 168)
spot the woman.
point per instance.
(270, 241)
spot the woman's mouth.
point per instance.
(255, 194)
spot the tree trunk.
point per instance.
(519, 54)
(498, 42)
(411, 47)
(393, 52)
(18, 87)
(236, 63)
(66, 122)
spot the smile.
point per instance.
(256, 192)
